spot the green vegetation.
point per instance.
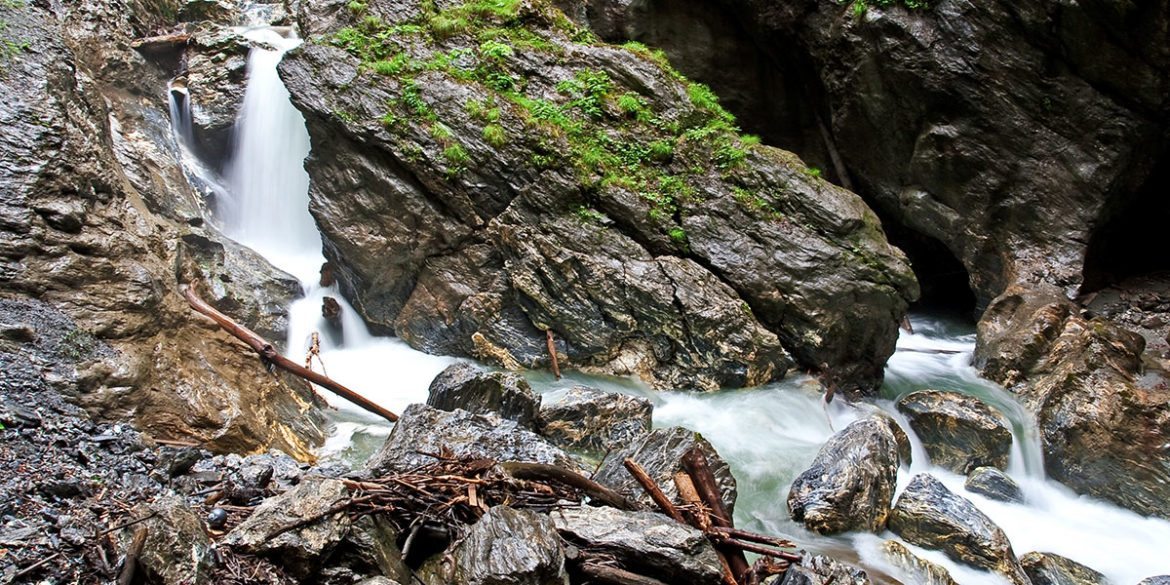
(10, 48)
(859, 7)
(813, 172)
(78, 344)
(494, 135)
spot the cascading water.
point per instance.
(180, 106)
(768, 434)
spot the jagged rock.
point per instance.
(1101, 424)
(958, 431)
(377, 581)
(177, 551)
(647, 543)
(505, 547)
(927, 514)
(470, 388)
(1158, 580)
(300, 550)
(995, 484)
(241, 284)
(822, 570)
(924, 572)
(660, 453)
(424, 430)
(850, 484)
(592, 420)
(371, 547)
(498, 238)
(1053, 569)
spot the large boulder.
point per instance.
(660, 453)
(850, 484)
(423, 432)
(646, 543)
(923, 572)
(669, 249)
(927, 514)
(465, 386)
(505, 547)
(958, 431)
(1053, 569)
(300, 550)
(594, 421)
(1104, 420)
(995, 484)
(176, 550)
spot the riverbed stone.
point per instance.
(424, 431)
(927, 514)
(1053, 569)
(471, 388)
(822, 570)
(660, 453)
(593, 420)
(505, 547)
(924, 572)
(177, 551)
(850, 484)
(958, 431)
(647, 543)
(994, 484)
(1157, 580)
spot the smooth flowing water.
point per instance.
(768, 434)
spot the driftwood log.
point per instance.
(271, 357)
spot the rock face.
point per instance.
(507, 547)
(995, 484)
(693, 260)
(94, 201)
(924, 572)
(927, 514)
(422, 430)
(850, 484)
(646, 543)
(470, 388)
(1104, 425)
(959, 432)
(1050, 569)
(301, 550)
(177, 550)
(591, 420)
(659, 452)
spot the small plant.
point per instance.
(445, 26)
(456, 155)
(590, 215)
(494, 135)
(78, 344)
(389, 120)
(813, 172)
(678, 234)
(356, 7)
(494, 50)
(661, 150)
(441, 132)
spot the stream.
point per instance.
(768, 434)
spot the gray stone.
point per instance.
(822, 570)
(850, 484)
(1157, 580)
(505, 547)
(423, 431)
(1053, 569)
(927, 514)
(371, 546)
(300, 550)
(177, 551)
(660, 453)
(994, 484)
(591, 420)
(958, 431)
(466, 386)
(647, 543)
(923, 572)
(377, 581)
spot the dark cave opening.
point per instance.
(1131, 240)
(942, 278)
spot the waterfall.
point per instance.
(180, 105)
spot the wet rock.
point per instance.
(924, 572)
(646, 543)
(927, 514)
(822, 570)
(176, 551)
(424, 430)
(506, 546)
(1053, 569)
(850, 484)
(592, 420)
(660, 453)
(377, 581)
(300, 550)
(1102, 424)
(1158, 580)
(475, 390)
(960, 432)
(994, 484)
(217, 518)
(371, 547)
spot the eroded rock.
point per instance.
(468, 387)
(592, 420)
(994, 484)
(1053, 569)
(660, 453)
(850, 484)
(506, 546)
(177, 551)
(927, 514)
(958, 431)
(923, 571)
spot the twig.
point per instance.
(544, 472)
(653, 490)
(613, 576)
(127, 524)
(130, 565)
(35, 566)
(552, 352)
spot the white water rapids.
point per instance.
(768, 434)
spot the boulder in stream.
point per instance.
(1156, 580)
(660, 453)
(927, 514)
(923, 571)
(1053, 569)
(505, 547)
(471, 388)
(995, 484)
(850, 484)
(592, 420)
(958, 431)
(822, 570)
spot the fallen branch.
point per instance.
(613, 576)
(695, 463)
(653, 490)
(754, 537)
(130, 565)
(552, 352)
(544, 472)
(35, 566)
(271, 357)
(700, 519)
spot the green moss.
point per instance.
(859, 7)
(813, 172)
(590, 215)
(494, 135)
